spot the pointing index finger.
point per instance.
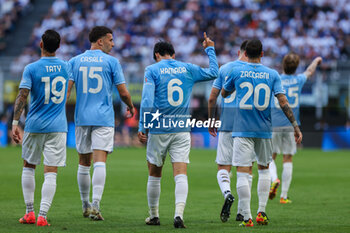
(205, 35)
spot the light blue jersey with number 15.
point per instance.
(94, 74)
(47, 80)
(293, 85)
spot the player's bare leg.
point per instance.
(286, 178)
(47, 193)
(263, 193)
(244, 194)
(181, 191)
(223, 177)
(84, 182)
(153, 193)
(98, 182)
(28, 188)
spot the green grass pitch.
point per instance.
(320, 192)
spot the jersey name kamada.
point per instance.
(176, 70)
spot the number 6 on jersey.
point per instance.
(171, 89)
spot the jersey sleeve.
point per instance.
(229, 84)
(302, 79)
(204, 74)
(147, 97)
(277, 85)
(117, 72)
(70, 72)
(70, 68)
(26, 81)
(219, 81)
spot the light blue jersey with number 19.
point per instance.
(255, 84)
(47, 80)
(94, 74)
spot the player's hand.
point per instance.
(130, 112)
(16, 135)
(142, 137)
(207, 41)
(213, 131)
(319, 60)
(298, 135)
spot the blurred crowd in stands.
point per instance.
(10, 11)
(308, 27)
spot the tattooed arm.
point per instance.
(211, 109)
(289, 114)
(20, 103)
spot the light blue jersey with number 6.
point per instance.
(255, 85)
(167, 88)
(47, 80)
(95, 73)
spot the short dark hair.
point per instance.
(254, 48)
(163, 48)
(243, 45)
(290, 63)
(51, 41)
(97, 32)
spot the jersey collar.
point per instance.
(48, 58)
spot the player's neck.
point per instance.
(165, 57)
(96, 47)
(254, 60)
(47, 54)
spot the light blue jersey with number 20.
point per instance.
(255, 85)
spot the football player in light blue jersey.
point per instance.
(46, 124)
(94, 75)
(167, 88)
(225, 141)
(282, 137)
(255, 85)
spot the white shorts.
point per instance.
(225, 147)
(89, 138)
(283, 141)
(248, 150)
(178, 145)
(51, 145)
